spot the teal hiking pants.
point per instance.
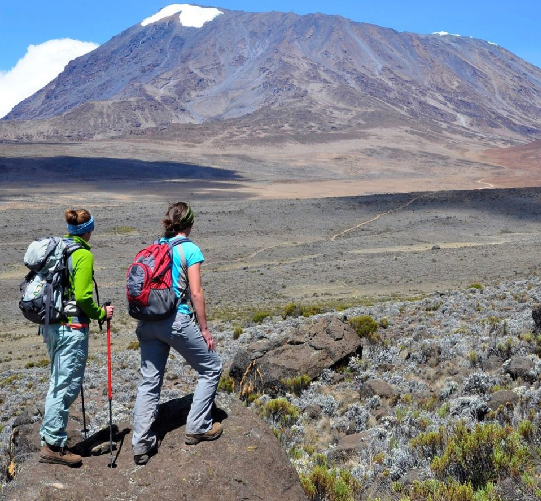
(68, 351)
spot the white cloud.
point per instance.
(190, 15)
(41, 64)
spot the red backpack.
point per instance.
(149, 281)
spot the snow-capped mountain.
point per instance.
(192, 65)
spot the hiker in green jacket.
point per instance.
(67, 343)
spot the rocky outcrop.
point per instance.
(502, 398)
(521, 367)
(377, 387)
(247, 462)
(268, 364)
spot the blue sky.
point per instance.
(514, 25)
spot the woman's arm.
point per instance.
(83, 286)
(198, 300)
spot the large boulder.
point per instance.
(264, 366)
(247, 462)
(521, 367)
(502, 398)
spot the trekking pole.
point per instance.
(109, 387)
(85, 430)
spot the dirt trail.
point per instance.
(488, 185)
(331, 239)
(347, 230)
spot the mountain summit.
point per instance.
(194, 65)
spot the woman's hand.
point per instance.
(109, 310)
(207, 336)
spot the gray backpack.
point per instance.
(43, 298)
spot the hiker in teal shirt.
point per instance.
(185, 331)
(67, 343)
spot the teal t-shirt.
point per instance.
(193, 255)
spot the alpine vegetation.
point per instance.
(435, 403)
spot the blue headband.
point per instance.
(81, 229)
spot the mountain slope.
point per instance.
(307, 72)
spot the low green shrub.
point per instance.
(44, 362)
(482, 454)
(10, 380)
(258, 317)
(365, 326)
(290, 310)
(226, 384)
(237, 331)
(451, 490)
(332, 484)
(309, 311)
(475, 285)
(296, 384)
(384, 322)
(134, 345)
(430, 443)
(279, 411)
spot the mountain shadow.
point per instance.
(66, 169)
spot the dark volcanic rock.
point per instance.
(536, 315)
(377, 387)
(354, 444)
(308, 349)
(521, 367)
(247, 462)
(502, 397)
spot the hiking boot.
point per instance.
(212, 434)
(58, 455)
(142, 459)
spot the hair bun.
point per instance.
(71, 216)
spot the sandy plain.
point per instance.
(293, 225)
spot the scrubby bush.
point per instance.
(259, 316)
(279, 411)
(483, 454)
(290, 310)
(332, 484)
(365, 326)
(309, 311)
(434, 306)
(44, 362)
(475, 285)
(226, 384)
(295, 310)
(237, 332)
(452, 490)
(296, 384)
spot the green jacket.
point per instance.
(81, 285)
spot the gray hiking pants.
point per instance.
(181, 333)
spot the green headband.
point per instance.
(187, 219)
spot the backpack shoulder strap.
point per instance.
(184, 285)
(71, 247)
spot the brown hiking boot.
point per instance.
(212, 434)
(58, 455)
(142, 459)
